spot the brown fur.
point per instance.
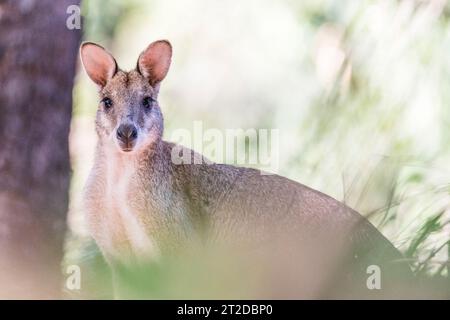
(206, 203)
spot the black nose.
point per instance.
(126, 132)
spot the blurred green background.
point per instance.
(359, 91)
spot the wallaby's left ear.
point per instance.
(154, 62)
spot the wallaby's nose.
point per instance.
(126, 133)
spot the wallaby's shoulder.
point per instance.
(203, 180)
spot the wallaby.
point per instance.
(141, 204)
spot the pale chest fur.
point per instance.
(118, 211)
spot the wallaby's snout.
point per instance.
(126, 135)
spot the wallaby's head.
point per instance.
(128, 116)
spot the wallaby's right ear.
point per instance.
(99, 64)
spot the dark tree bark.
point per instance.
(37, 67)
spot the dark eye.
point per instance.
(147, 102)
(107, 103)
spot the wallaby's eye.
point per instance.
(107, 103)
(147, 102)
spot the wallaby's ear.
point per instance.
(98, 63)
(154, 62)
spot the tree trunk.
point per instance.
(37, 67)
